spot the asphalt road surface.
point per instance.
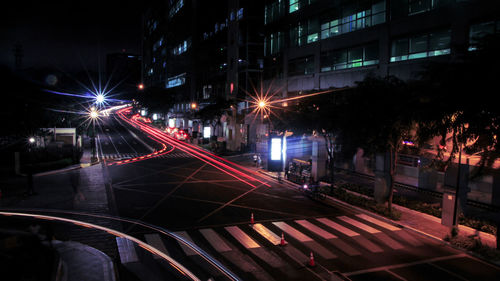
(210, 201)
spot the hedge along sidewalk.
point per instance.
(423, 223)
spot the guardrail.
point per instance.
(434, 193)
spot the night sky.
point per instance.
(69, 35)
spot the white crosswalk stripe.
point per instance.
(215, 240)
(266, 233)
(187, 250)
(378, 222)
(155, 241)
(242, 237)
(359, 225)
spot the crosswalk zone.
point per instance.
(328, 238)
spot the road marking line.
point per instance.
(338, 227)
(447, 271)
(315, 229)
(188, 251)
(389, 267)
(396, 275)
(266, 233)
(293, 232)
(359, 225)
(242, 237)
(367, 244)
(126, 250)
(388, 241)
(155, 241)
(215, 240)
(378, 222)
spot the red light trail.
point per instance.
(207, 157)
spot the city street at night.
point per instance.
(252, 140)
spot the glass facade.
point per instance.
(274, 11)
(350, 58)
(304, 33)
(182, 47)
(421, 46)
(480, 30)
(274, 43)
(295, 5)
(372, 15)
(301, 66)
(176, 8)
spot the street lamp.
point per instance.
(100, 98)
(93, 117)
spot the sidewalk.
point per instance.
(78, 188)
(425, 224)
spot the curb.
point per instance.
(80, 166)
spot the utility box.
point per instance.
(448, 208)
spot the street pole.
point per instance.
(455, 207)
(93, 141)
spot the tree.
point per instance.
(458, 97)
(313, 115)
(215, 110)
(377, 115)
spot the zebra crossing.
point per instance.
(254, 248)
(123, 156)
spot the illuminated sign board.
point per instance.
(206, 132)
(276, 149)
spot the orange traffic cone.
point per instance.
(311, 260)
(283, 242)
(251, 219)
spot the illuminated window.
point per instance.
(479, 31)
(176, 8)
(274, 43)
(182, 47)
(350, 58)
(293, 6)
(421, 46)
(240, 13)
(207, 91)
(274, 11)
(372, 15)
(176, 81)
(420, 6)
(305, 33)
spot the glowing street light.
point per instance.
(100, 98)
(194, 105)
(31, 140)
(140, 86)
(94, 114)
